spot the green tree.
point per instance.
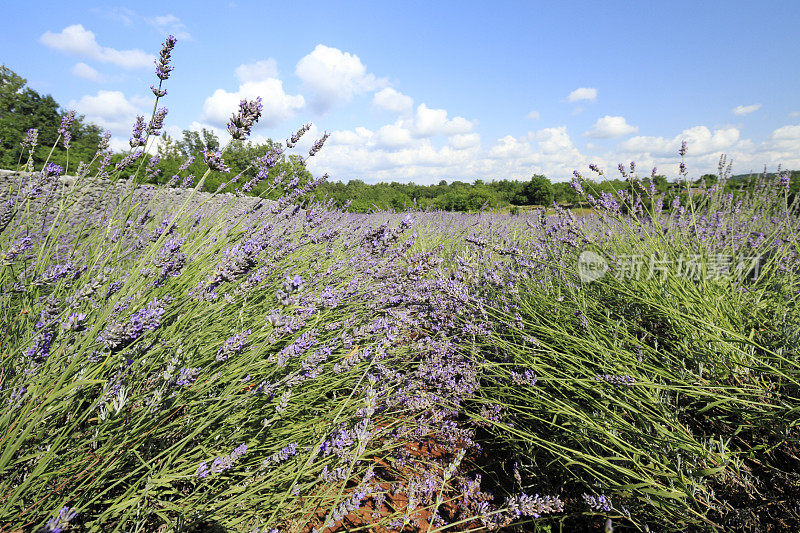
(22, 108)
(537, 191)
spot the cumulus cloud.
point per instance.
(335, 76)
(358, 137)
(583, 93)
(82, 70)
(258, 71)
(429, 122)
(392, 100)
(608, 127)
(533, 115)
(700, 139)
(278, 106)
(742, 110)
(77, 40)
(785, 141)
(110, 110)
(464, 141)
(393, 136)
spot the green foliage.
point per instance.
(22, 108)
(537, 191)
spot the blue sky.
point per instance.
(423, 91)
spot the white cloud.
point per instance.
(335, 76)
(77, 40)
(358, 137)
(786, 133)
(583, 93)
(392, 100)
(701, 141)
(608, 127)
(784, 142)
(170, 24)
(794, 114)
(577, 111)
(742, 110)
(110, 110)
(463, 141)
(82, 70)
(393, 136)
(533, 115)
(258, 71)
(362, 153)
(429, 122)
(278, 106)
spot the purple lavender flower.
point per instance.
(102, 146)
(66, 124)
(74, 322)
(31, 139)
(682, 151)
(576, 185)
(785, 180)
(626, 380)
(41, 345)
(318, 145)
(280, 456)
(137, 138)
(241, 123)
(188, 376)
(524, 378)
(296, 137)
(57, 524)
(202, 470)
(118, 335)
(163, 68)
(233, 345)
(608, 202)
(152, 168)
(158, 92)
(598, 503)
(214, 160)
(292, 284)
(128, 159)
(157, 122)
(535, 506)
(52, 170)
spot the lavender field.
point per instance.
(178, 361)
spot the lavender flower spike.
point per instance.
(154, 128)
(66, 124)
(138, 129)
(296, 137)
(31, 138)
(241, 123)
(214, 160)
(52, 170)
(163, 68)
(57, 524)
(318, 145)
